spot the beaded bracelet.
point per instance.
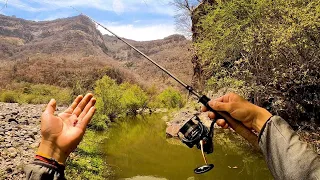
(49, 160)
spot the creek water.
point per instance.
(137, 148)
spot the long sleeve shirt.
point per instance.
(287, 157)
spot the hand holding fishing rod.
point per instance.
(252, 116)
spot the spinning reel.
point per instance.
(194, 133)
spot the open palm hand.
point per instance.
(62, 133)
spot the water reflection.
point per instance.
(139, 149)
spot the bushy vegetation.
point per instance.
(35, 94)
(271, 48)
(169, 98)
(87, 161)
(133, 98)
(114, 100)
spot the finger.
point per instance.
(74, 104)
(204, 109)
(87, 108)
(211, 115)
(220, 106)
(220, 99)
(225, 126)
(221, 122)
(87, 118)
(51, 107)
(82, 104)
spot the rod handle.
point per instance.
(236, 125)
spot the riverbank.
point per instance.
(20, 137)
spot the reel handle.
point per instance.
(236, 125)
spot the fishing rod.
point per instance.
(193, 131)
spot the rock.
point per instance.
(30, 139)
(13, 154)
(34, 145)
(7, 128)
(31, 135)
(35, 132)
(13, 121)
(12, 149)
(173, 130)
(2, 130)
(8, 145)
(15, 113)
(25, 122)
(9, 170)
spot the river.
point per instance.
(137, 148)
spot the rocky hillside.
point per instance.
(172, 52)
(49, 52)
(65, 51)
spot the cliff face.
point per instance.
(267, 51)
(49, 52)
(22, 38)
(65, 51)
(173, 53)
(198, 13)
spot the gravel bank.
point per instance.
(19, 137)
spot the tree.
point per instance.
(184, 10)
(108, 98)
(133, 98)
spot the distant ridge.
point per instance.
(68, 49)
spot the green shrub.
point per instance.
(133, 97)
(99, 122)
(36, 94)
(9, 97)
(87, 161)
(108, 96)
(272, 47)
(169, 98)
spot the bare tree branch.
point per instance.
(5, 5)
(184, 9)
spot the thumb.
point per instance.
(51, 107)
(220, 106)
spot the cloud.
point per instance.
(118, 6)
(140, 33)
(25, 6)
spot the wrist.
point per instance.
(50, 150)
(262, 117)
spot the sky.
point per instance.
(133, 19)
